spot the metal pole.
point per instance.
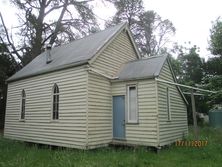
(185, 86)
(194, 115)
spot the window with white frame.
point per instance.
(23, 99)
(55, 105)
(168, 104)
(132, 104)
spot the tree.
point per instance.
(7, 65)
(176, 66)
(191, 67)
(153, 33)
(75, 18)
(127, 11)
(215, 43)
(7, 68)
(213, 67)
(149, 30)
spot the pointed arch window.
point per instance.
(55, 108)
(23, 99)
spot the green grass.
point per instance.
(19, 154)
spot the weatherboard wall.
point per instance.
(99, 111)
(145, 131)
(38, 127)
(177, 127)
(110, 60)
(119, 51)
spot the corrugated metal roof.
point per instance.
(143, 68)
(75, 53)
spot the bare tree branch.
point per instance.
(8, 39)
(58, 24)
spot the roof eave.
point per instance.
(80, 63)
(175, 80)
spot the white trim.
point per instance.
(87, 110)
(133, 42)
(168, 105)
(111, 39)
(157, 110)
(128, 120)
(52, 102)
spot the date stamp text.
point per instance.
(191, 143)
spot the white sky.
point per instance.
(192, 18)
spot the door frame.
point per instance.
(115, 138)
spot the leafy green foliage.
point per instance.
(7, 68)
(215, 43)
(7, 65)
(191, 67)
(214, 82)
(213, 67)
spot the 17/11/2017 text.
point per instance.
(191, 143)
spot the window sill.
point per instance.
(22, 120)
(132, 123)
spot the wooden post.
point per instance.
(194, 115)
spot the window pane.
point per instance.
(57, 115)
(53, 115)
(23, 105)
(55, 102)
(56, 89)
(54, 98)
(132, 104)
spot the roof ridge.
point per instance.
(147, 58)
(78, 50)
(89, 35)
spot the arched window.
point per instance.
(23, 98)
(55, 109)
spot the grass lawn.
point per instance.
(19, 154)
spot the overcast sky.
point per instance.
(192, 18)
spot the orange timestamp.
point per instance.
(191, 143)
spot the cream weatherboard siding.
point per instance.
(145, 132)
(70, 129)
(170, 131)
(115, 55)
(119, 51)
(99, 111)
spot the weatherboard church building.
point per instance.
(93, 92)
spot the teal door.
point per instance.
(119, 117)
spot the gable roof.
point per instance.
(78, 52)
(143, 68)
